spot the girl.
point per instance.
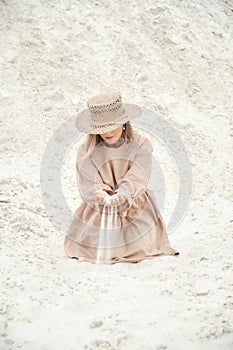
(113, 167)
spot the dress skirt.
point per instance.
(137, 241)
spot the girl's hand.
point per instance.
(115, 199)
(102, 196)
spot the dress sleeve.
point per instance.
(88, 178)
(136, 179)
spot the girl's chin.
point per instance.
(113, 140)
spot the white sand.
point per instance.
(174, 57)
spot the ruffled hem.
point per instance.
(122, 254)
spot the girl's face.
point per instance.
(113, 136)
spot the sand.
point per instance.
(172, 57)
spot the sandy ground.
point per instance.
(174, 57)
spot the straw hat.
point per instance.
(106, 112)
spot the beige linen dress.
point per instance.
(138, 231)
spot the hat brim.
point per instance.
(85, 123)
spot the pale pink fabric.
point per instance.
(140, 232)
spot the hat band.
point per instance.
(102, 126)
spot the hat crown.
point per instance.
(104, 99)
(107, 105)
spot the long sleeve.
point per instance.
(136, 179)
(88, 178)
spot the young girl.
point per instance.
(113, 168)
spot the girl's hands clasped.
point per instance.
(102, 196)
(105, 199)
(115, 199)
